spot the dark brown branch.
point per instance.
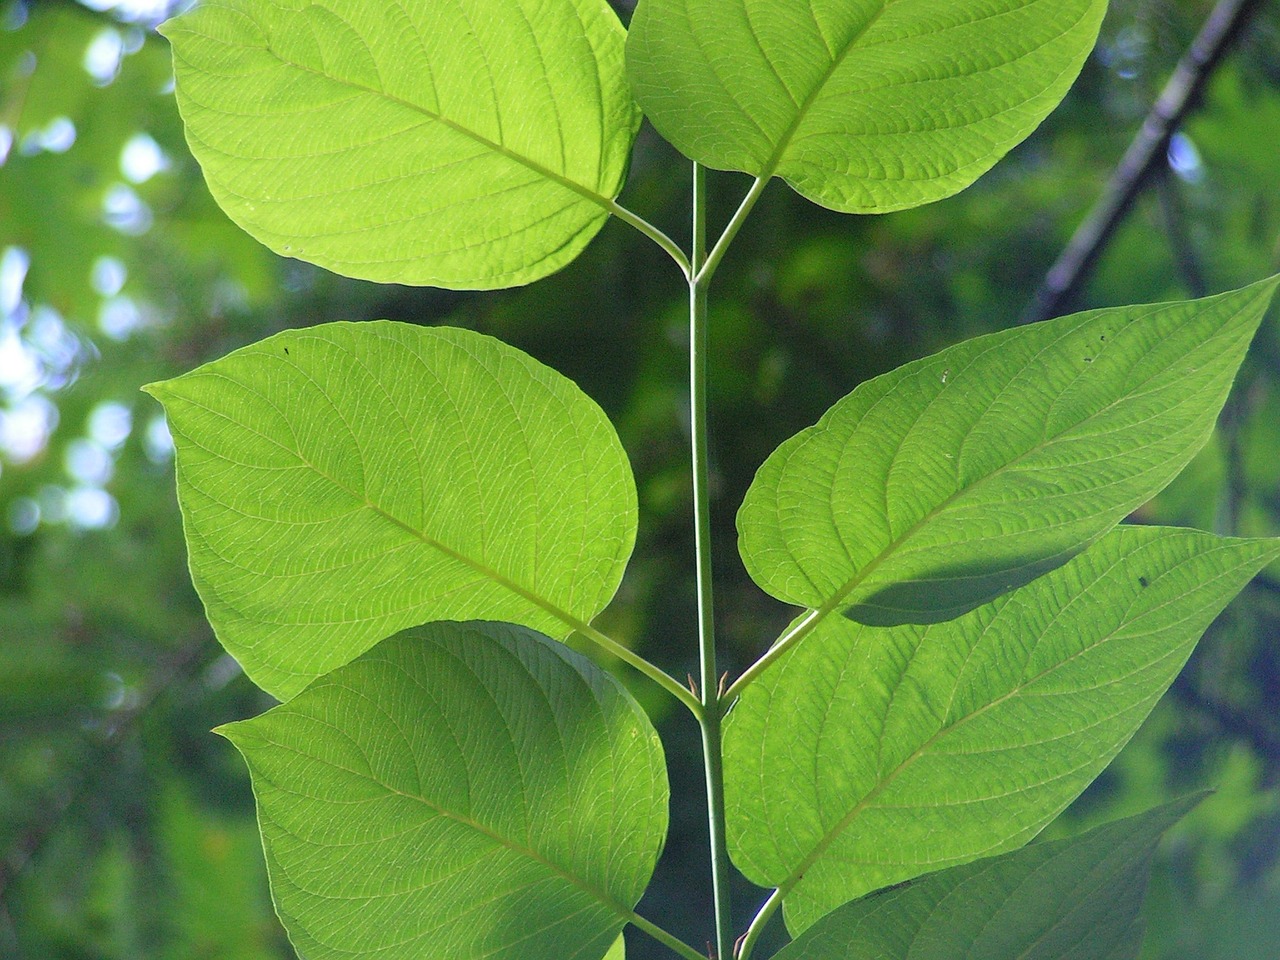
(1145, 155)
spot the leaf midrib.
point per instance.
(797, 874)
(895, 547)
(607, 204)
(543, 603)
(624, 913)
(802, 110)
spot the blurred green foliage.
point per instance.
(126, 829)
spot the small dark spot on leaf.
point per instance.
(1144, 581)
(1103, 337)
(1088, 359)
(286, 351)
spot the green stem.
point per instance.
(704, 269)
(713, 760)
(653, 233)
(758, 924)
(801, 629)
(650, 670)
(666, 939)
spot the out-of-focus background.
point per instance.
(126, 828)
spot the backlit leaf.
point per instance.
(344, 482)
(871, 755)
(955, 478)
(461, 791)
(472, 144)
(861, 105)
(1073, 899)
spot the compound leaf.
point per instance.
(867, 756)
(347, 481)
(955, 478)
(461, 790)
(861, 105)
(474, 144)
(1073, 899)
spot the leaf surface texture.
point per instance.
(467, 144)
(1073, 899)
(861, 105)
(867, 756)
(461, 790)
(347, 481)
(955, 478)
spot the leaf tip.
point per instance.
(232, 732)
(156, 389)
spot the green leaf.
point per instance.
(461, 791)
(955, 478)
(1073, 899)
(475, 144)
(618, 951)
(341, 483)
(871, 755)
(863, 106)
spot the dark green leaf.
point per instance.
(1073, 899)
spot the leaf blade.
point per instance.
(816, 93)
(475, 147)
(1062, 900)
(412, 802)
(341, 483)
(898, 751)
(952, 479)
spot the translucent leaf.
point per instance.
(461, 790)
(955, 478)
(871, 755)
(861, 105)
(343, 482)
(1073, 899)
(473, 144)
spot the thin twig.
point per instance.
(1144, 156)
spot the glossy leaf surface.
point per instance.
(473, 144)
(1072, 899)
(464, 791)
(871, 755)
(344, 482)
(955, 478)
(861, 105)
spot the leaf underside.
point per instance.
(465, 791)
(1073, 899)
(471, 145)
(958, 477)
(344, 482)
(867, 756)
(863, 106)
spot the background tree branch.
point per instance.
(1145, 156)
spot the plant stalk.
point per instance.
(711, 710)
(748, 943)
